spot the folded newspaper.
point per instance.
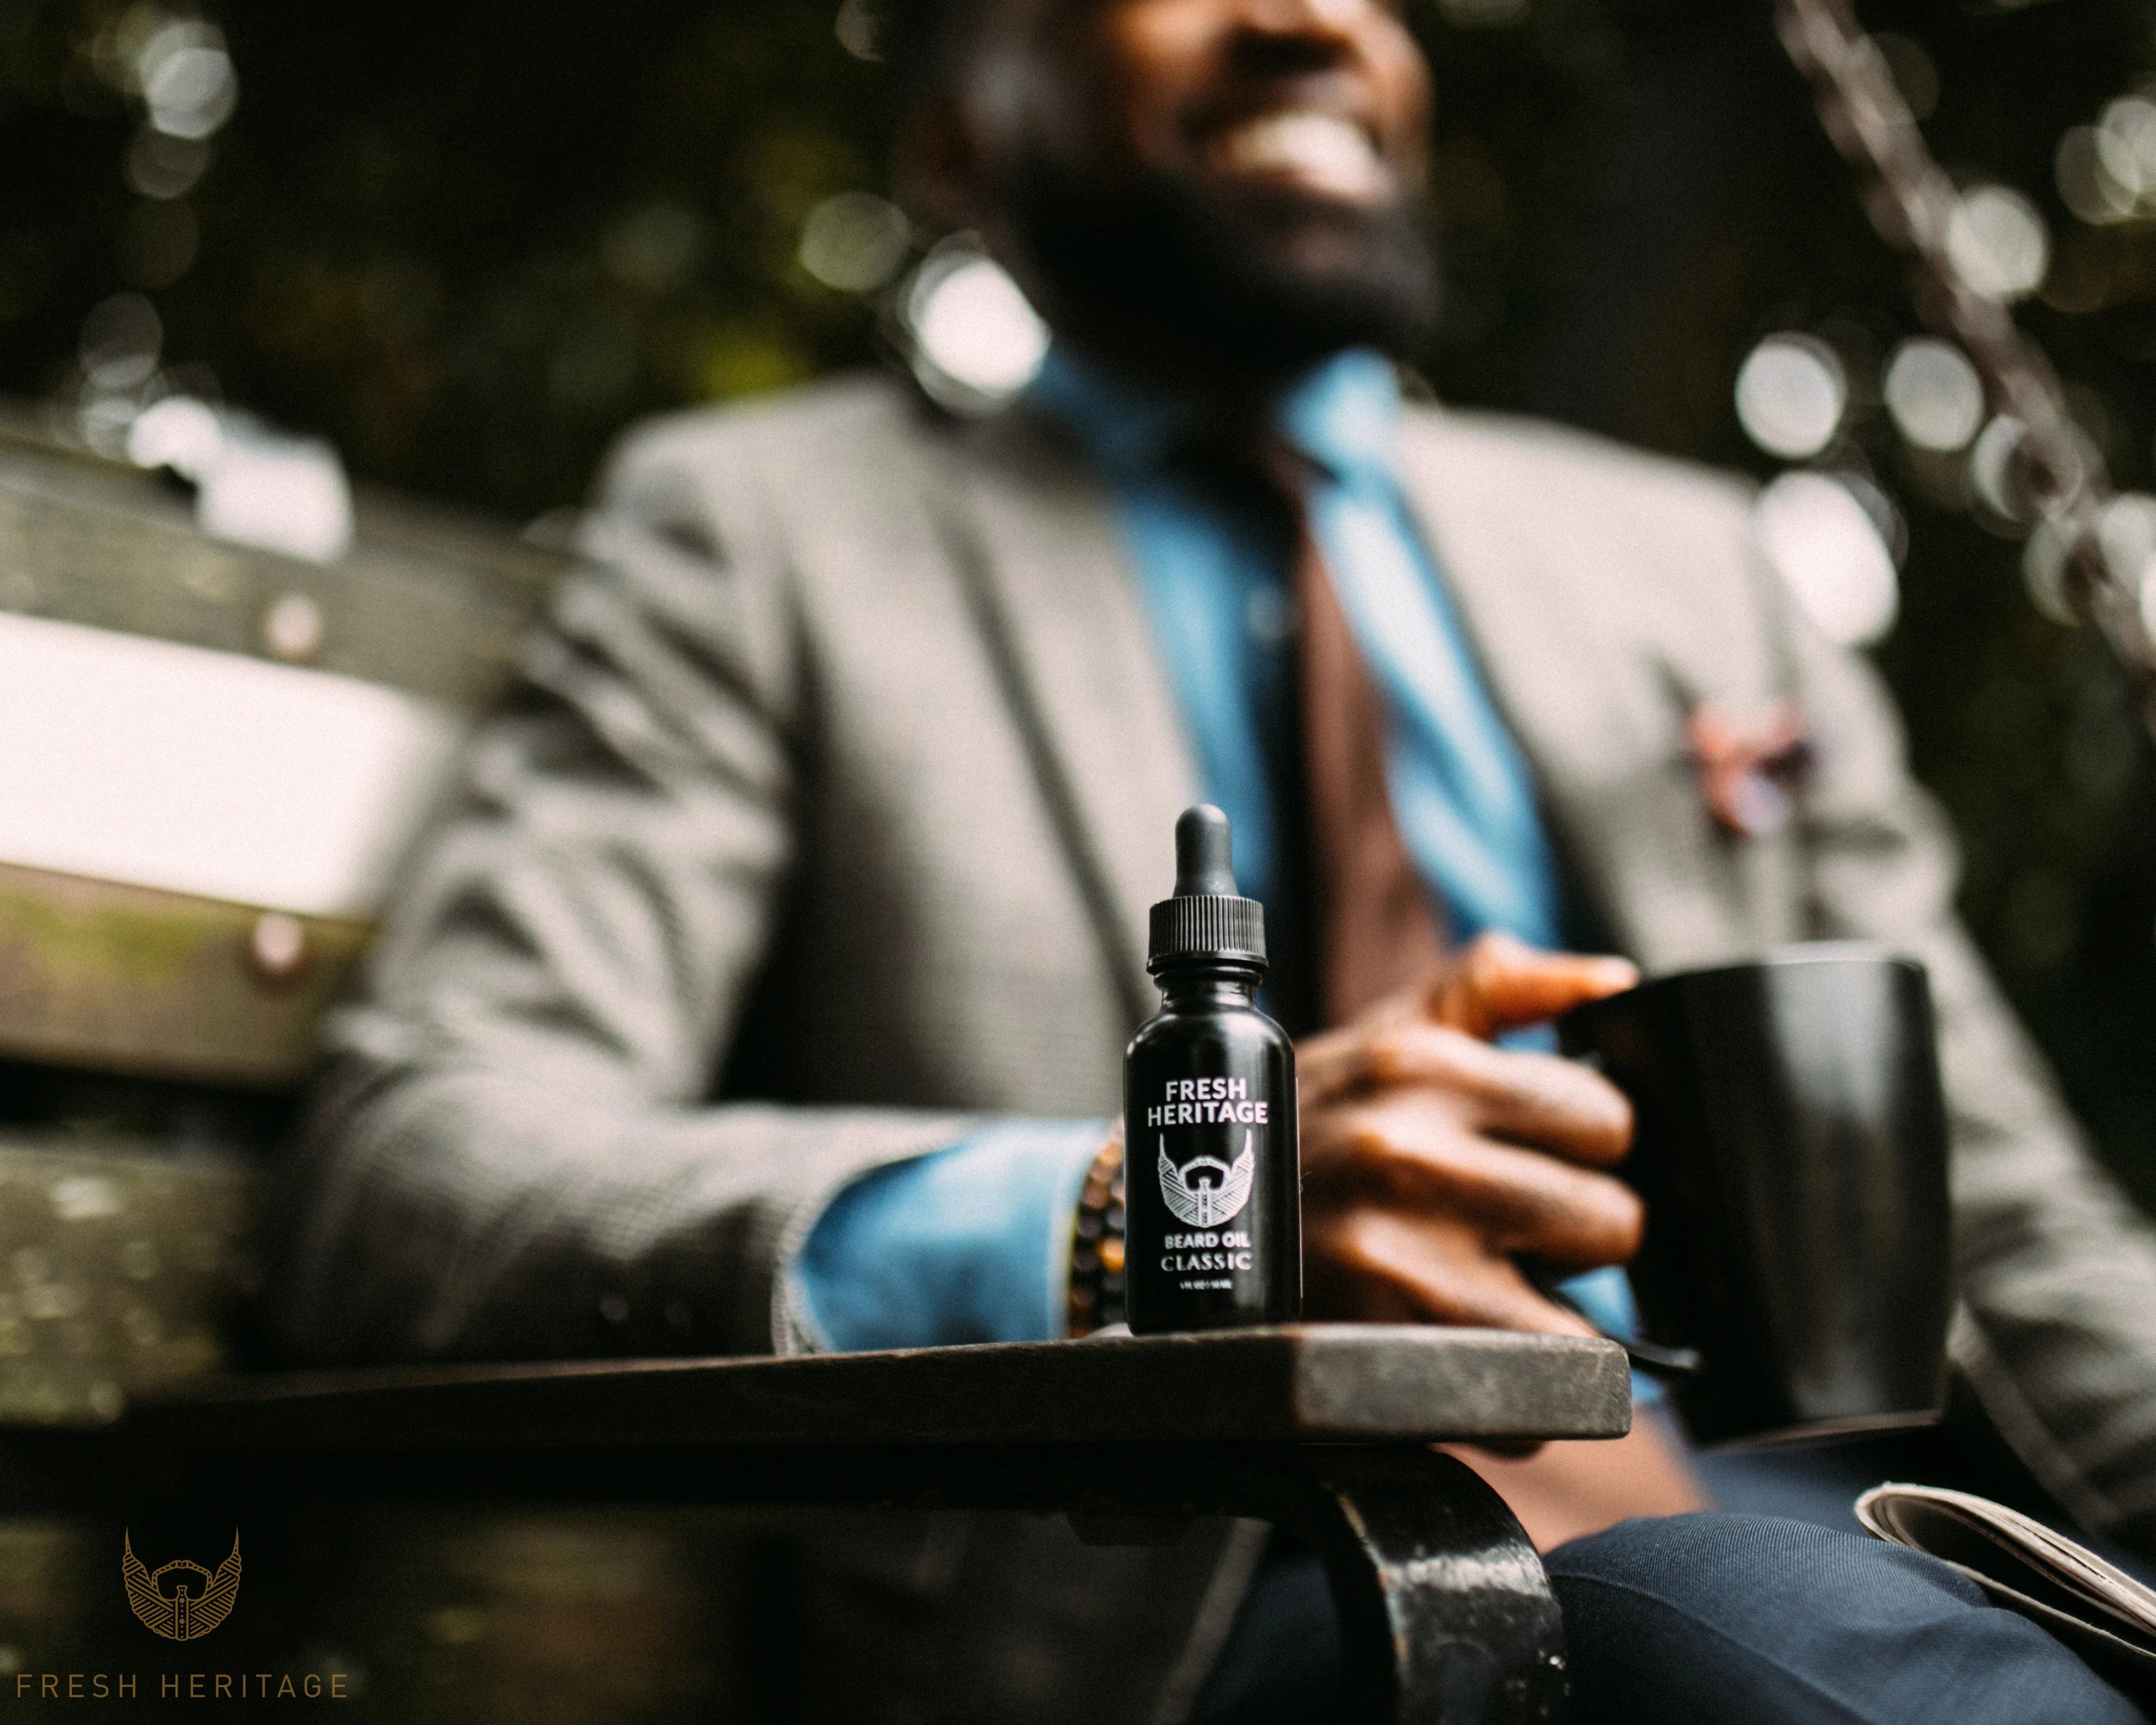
(2095, 1607)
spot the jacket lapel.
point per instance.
(1030, 530)
(1563, 590)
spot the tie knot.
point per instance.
(1259, 473)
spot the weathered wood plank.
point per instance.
(1363, 1383)
(130, 979)
(425, 601)
(123, 1272)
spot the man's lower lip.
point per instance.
(1322, 187)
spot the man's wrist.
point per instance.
(970, 1244)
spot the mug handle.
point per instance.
(1649, 1356)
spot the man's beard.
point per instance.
(1259, 281)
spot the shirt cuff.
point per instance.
(971, 1243)
(1605, 1297)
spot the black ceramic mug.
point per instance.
(1792, 1155)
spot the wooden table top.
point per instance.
(1303, 1383)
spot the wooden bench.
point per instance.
(1445, 1612)
(149, 1041)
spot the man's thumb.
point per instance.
(1500, 984)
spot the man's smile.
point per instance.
(1323, 153)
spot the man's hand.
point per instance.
(1432, 1159)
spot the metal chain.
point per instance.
(1911, 203)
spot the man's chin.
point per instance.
(1259, 279)
(1311, 301)
(1328, 248)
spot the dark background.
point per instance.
(469, 241)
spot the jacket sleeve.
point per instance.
(509, 1155)
(2056, 1326)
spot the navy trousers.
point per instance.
(1716, 1620)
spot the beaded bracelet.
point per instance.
(1096, 1245)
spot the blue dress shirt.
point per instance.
(973, 1244)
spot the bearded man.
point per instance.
(767, 989)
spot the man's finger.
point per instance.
(1533, 1099)
(1332, 1064)
(1384, 1266)
(1410, 1155)
(1499, 984)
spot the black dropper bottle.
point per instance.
(1215, 1215)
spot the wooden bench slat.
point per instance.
(427, 600)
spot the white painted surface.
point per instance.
(146, 761)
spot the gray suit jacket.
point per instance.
(846, 773)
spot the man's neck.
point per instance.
(1158, 365)
(1342, 414)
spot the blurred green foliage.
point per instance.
(468, 242)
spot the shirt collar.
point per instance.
(1344, 414)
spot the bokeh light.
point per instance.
(120, 343)
(976, 342)
(855, 242)
(1792, 395)
(253, 485)
(282, 493)
(2125, 142)
(856, 28)
(2044, 574)
(1997, 242)
(179, 433)
(1826, 545)
(186, 78)
(161, 166)
(2126, 531)
(2085, 186)
(1996, 476)
(1933, 394)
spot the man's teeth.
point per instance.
(1320, 148)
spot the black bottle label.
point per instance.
(1208, 1177)
(1215, 1225)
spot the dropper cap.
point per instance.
(1209, 920)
